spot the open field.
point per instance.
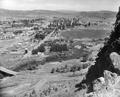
(85, 33)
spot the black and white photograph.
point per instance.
(59, 48)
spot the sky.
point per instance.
(76, 5)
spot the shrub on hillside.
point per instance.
(34, 51)
(39, 36)
(68, 68)
(17, 32)
(39, 49)
(58, 47)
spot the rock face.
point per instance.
(108, 57)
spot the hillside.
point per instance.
(37, 13)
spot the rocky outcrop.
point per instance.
(108, 57)
(107, 87)
(4, 72)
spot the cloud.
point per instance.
(60, 4)
(8, 3)
(37, 4)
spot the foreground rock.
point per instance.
(6, 72)
(110, 87)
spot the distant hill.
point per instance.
(99, 14)
(36, 13)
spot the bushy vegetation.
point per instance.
(53, 46)
(28, 64)
(39, 49)
(56, 87)
(17, 32)
(67, 68)
(58, 47)
(39, 36)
